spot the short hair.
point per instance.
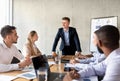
(109, 36)
(66, 18)
(6, 30)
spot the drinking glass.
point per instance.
(56, 60)
(42, 74)
(58, 66)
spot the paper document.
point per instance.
(6, 78)
(51, 63)
(29, 68)
(92, 78)
(27, 75)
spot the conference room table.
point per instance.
(53, 69)
(14, 73)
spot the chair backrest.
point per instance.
(15, 60)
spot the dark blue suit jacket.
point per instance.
(73, 40)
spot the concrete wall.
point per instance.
(44, 16)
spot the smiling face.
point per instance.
(65, 24)
(35, 37)
(13, 37)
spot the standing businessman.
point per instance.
(69, 39)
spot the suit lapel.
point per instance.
(62, 35)
(69, 33)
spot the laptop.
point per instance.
(40, 62)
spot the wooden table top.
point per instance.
(53, 68)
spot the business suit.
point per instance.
(73, 40)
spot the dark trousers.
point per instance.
(68, 51)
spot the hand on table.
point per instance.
(80, 56)
(54, 54)
(74, 61)
(71, 75)
(26, 62)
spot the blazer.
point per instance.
(73, 39)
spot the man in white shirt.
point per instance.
(95, 59)
(107, 39)
(9, 52)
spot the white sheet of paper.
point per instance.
(30, 68)
(6, 78)
(92, 78)
(28, 75)
(51, 62)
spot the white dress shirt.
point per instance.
(66, 36)
(110, 67)
(6, 57)
(97, 58)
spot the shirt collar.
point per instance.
(112, 54)
(66, 30)
(4, 45)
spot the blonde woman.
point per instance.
(30, 49)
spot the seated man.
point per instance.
(107, 39)
(97, 57)
(9, 52)
(79, 64)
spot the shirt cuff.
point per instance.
(16, 67)
(78, 52)
(82, 73)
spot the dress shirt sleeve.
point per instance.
(98, 69)
(18, 54)
(8, 67)
(86, 61)
(101, 58)
(112, 71)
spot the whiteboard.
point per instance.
(96, 23)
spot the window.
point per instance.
(5, 13)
